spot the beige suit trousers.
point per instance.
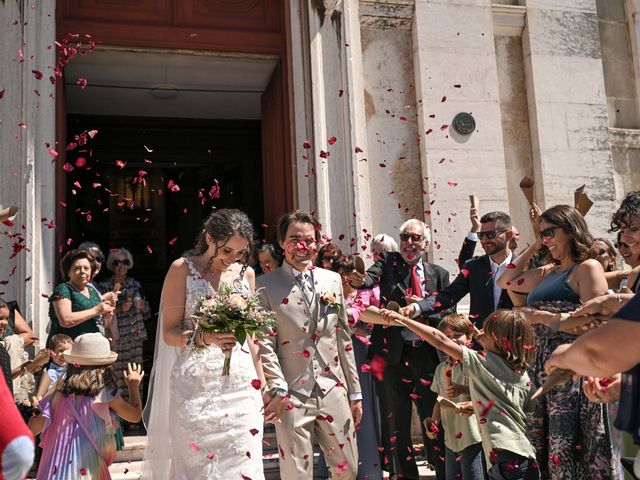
(327, 418)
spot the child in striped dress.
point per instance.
(78, 421)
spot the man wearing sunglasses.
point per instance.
(406, 276)
(471, 240)
(477, 276)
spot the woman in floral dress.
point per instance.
(131, 310)
(570, 434)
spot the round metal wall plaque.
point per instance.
(464, 123)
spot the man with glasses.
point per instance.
(471, 240)
(477, 276)
(410, 363)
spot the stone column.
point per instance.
(27, 113)
(568, 106)
(455, 71)
(329, 113)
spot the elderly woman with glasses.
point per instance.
(570, 434)
(131, 310)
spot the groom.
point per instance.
(308, 362)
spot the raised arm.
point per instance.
(429, 334)
(68, 318)
(517, 277)
(604, 351)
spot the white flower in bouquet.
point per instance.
(228, 311)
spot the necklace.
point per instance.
(85, 293)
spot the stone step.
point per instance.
(133, 449)
(126, 470)
(133, 470)
(128, 462)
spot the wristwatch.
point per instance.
(278, 392)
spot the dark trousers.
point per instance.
(467, 464)
(403, 384)
(511, 466)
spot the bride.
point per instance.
(202, 425)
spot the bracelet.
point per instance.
(204, 342)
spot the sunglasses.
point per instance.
(491, 234)
(620, 245)
(416, 237)
(602, 251)
(125, 262)
(548, 232)
(99, 259)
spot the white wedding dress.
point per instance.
(214, 422)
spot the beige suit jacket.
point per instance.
(306, 347)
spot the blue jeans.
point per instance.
(467, 464)
(511, 466)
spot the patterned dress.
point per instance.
(68, 451)
(570, 434)
(131, 328)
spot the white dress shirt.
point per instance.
(497, 271)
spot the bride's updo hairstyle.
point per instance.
(221, 225)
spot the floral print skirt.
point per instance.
(570, 434)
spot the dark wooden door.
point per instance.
(277, 174)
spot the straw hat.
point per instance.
(91, 349)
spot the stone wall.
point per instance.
(392, 153)
(27, 116)
(515, 129)
(568, 106)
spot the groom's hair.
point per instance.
(299, 216)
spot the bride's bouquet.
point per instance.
(228, 311)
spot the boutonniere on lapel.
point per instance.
(330, 300)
